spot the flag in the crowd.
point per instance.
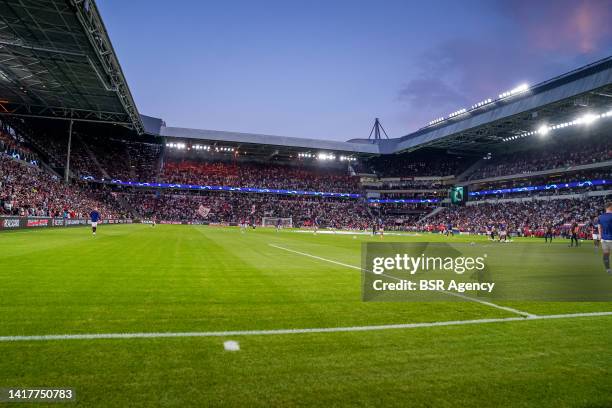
(203, 211)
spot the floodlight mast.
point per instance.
(375, 134)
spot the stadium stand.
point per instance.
(488, 156)
(525, 218)
(235, 208)
(571, 152)
(428, 164)
(555, 179)
(264, 175)
(28, 190)
(401, 217)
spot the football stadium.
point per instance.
(463, 264)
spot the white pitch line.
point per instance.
(316, 257)
(491, 304)
(471, 299)
(99, 336)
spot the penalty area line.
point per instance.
(471, 299)
(99, 336)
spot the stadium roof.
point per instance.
(57, 61)
(586, 90)
(257, 143)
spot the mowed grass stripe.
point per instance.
(544, 363)
(468, 298)
(176, 278)
(542, 258)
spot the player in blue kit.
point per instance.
(605, 235)
(449, 230)
(95, 217)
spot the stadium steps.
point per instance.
(466, 173)
(45, 156)
(51, 170)
(159, 165)
(432, 213)
(23, 130)
(131, 167)
(92, 156)
(123, 203)
(369, 210)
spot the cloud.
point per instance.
(565, 26)
(457, 74)
(535, 41)
(429, 93)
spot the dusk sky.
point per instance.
(325, 69)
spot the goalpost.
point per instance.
(272, 222)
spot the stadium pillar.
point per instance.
(67, 168)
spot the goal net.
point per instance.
(273, 222)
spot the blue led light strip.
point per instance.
(585, 183)
(402, 200)
(580, 184)
(234, 189)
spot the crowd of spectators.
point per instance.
(100, 157)
(97, 156)
(10, 145)
(559, 179)
(405, 165)
(27, 190)
(401, 216)
(54, 146)
(144, 159)
(264, 175)
(557, 156)
(219, 207)
(530, 217)
(407, 184)
(115, 158)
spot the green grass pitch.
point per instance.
(139, 279)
